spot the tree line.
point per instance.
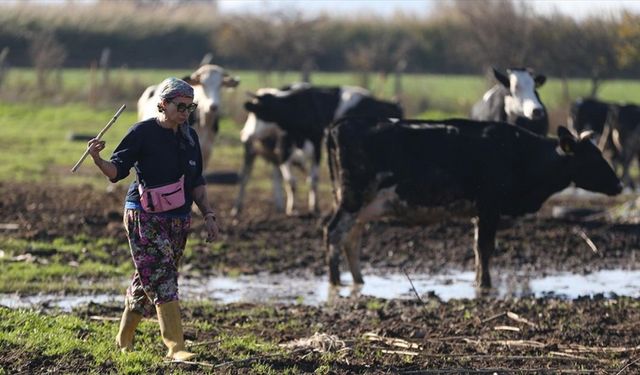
(458, 37)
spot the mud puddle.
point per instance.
(314, 291)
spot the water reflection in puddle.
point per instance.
(63, 302)
(316, 291)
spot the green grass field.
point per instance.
(34, 128)
(446, 94)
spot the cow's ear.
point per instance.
(567, 140)
(587, 134)
(190, 80)
(540, 79)
(250, 106)
(504, 80)
(229, 81)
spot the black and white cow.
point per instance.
(514, 100)
(625, 136)
(286, 127)
(207, 82)
(588, 114)
(422, 171)
(616, 125)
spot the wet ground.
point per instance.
(264, 241)
(498, 333)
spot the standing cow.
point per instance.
(514, 100)
(422, 171)
(589, 114)
(207, 83)
(625, 136)
(262, 138)
(286, 127)
(616, 125)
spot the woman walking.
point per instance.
(165, 153)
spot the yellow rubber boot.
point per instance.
(128, 324)
(171, 330)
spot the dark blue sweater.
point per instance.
(160, 156)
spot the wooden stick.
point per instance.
(519, 319)
(500, 315)
(586, 239)
(99, 136)
(413, 287)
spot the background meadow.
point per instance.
(35, 129)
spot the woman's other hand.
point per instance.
(212, 228)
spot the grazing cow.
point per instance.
(514, 100)
(423, 171)
(588, 114)
(207, 83)
(625, 136)
(286, 127)
(617, 127)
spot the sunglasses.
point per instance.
(181, 107)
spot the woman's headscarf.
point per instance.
(172, 88)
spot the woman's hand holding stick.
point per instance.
(99, 136)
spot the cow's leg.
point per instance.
(206, 135)
(313, 188)
(334, 236)
(485, 242)
(289, 186)
(627, 158)
(247, 168)
(377, 208)
(314, 172)
(352, 251)
(276, 184)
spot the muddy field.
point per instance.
(538, 242)
(522, 335)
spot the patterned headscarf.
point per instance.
(173, 87)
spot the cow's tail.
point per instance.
(333, 160)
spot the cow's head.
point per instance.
(266, 106)
(207, 82)
(587, 167)
(254, 127)
(523, 100)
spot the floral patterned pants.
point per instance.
(157, 244)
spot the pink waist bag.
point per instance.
(162, 198)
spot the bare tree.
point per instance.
(552, 36)
(47, 56)
(360, 59)
(278, 41)
(498, 31)
(383, 54)
(628, 47)
(598, 58)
